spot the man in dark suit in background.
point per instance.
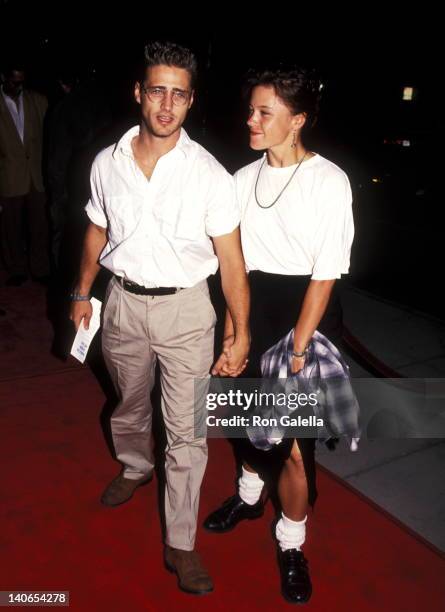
(22, 191)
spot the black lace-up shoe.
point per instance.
(231, 513)
(296, 584)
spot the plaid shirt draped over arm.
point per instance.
(325, 373)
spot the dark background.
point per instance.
(365, 58)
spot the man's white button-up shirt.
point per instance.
(159, 229)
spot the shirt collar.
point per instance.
(124, 144)
(5, 95)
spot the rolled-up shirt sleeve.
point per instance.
(95, 206)
(334, 229)
(223, 214)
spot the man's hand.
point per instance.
(93, 244)
(235, 287)
(233, 358)
(81, 310)
(221, 362)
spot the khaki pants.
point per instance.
(177, 330)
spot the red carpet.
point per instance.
(56, 535)
(26, 335)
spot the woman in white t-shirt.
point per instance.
(296, 232)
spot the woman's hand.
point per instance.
(297, 363)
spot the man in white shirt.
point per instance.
(162, 215)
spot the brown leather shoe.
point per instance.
(121, 489)
(186, 564)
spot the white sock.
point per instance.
(250, 487)
(290, 534)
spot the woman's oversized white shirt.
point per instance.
(309, 231)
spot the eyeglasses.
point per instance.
(157, 94)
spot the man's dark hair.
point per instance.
(10, 65)
(170, 54)
(299, 88)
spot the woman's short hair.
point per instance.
(299, 88)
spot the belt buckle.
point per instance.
(126, 281)
(130, 286)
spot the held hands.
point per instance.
(81, 310)
(233, 359)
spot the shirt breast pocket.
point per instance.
(120, 213)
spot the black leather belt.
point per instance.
(141, 290)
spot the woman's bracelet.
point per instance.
(78, 297)
(299, 355)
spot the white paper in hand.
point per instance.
(84, 336)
